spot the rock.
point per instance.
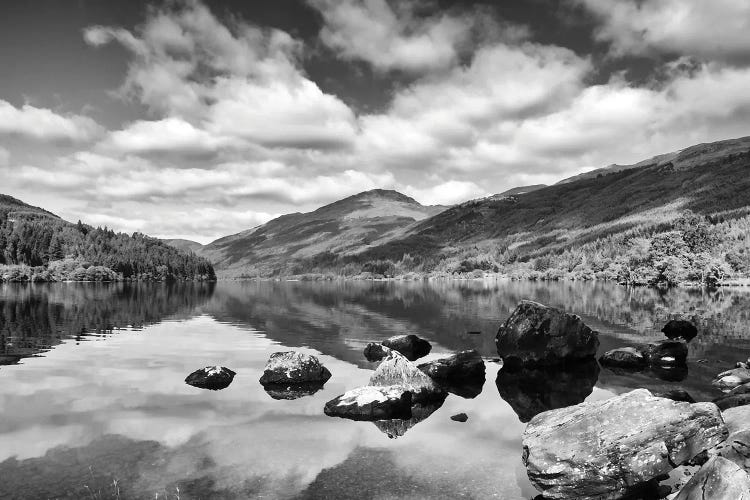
(605, 449)
(737, 445)
(214, 378)
(293, 368)
(732, 401)
(371, 403)
(679, 328)
(535, 334)
(742, 364)
(292, 391)
(718, 479)
(456, 369)
(535, 390)
(411, 346)
(395, 428)
(395, 369)
(624, 357)
(666, 353)
(732, 378)
(677, 395)
(460, 417)
(376, 352)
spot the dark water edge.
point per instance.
(94, 404)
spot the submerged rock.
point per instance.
(667, 353)
(292, 391)
(732, 378)
(460, 417)
(680, 328)
(629, 358)
(535, 334)
(395, 369)
(293, 368)
(376, 352)
(461, 373)
(214, 378)
(371, 403)
(411, 346)
(605, 449)
(718, 479)
(531, 391)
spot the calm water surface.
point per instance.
(93, 403)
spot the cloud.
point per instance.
(4, 157)
(46, 125)
(232, 81)
(164, 136)
(715, 30)
(392, 36)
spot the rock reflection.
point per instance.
(419, 412)
(530, 391)
(292, 391)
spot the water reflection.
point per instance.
(78, 414)
(530, 391)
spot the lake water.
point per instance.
(93, 402)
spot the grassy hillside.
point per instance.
(286, 245)
(36, 245)
(677, 217)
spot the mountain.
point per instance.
(707, 184)
(37, 245)
(184, 245)
(341, 228)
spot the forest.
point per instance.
(38, 246)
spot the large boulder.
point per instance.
(395, 369)
(680, 328)
(376, 352)
(293, 368)
(628, 358)
(214, 378)
(732, 378)
(666, 353)
(411, 346)
(606, 449)
(531, 391)
(535, 334)
(371, 403)
(718, 479)
(737, 445)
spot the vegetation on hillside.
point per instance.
(38, 246)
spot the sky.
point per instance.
(197, 119)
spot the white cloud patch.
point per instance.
(392, 35)
(46, 125)
(714, 30)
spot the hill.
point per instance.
(632, 223)
(37, 245)
(184, 245)
(286, 245)
(520, 190)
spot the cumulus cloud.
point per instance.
(392, 35)
(238, 132)
(715, 30)
(232, 81)
(46, 125)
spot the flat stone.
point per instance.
(371, 403)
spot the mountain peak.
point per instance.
(388, 194)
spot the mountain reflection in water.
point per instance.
(94, 404)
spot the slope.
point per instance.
(343, 227)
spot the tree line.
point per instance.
(40, 247)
